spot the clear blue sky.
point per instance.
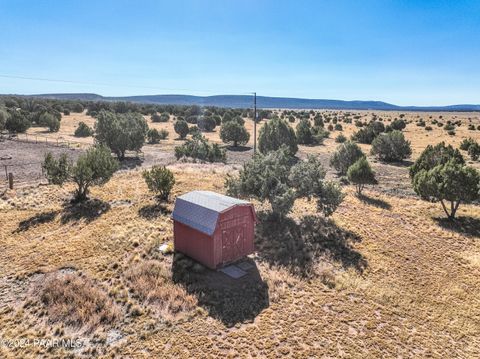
(421, 52)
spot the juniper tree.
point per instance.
(361, 174)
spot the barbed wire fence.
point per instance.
(23, 174)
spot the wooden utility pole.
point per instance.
(10, 180)
(254, 122)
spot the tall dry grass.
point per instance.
(76, 301)
(151, 283)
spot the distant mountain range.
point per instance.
(244, 101)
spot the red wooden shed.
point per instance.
(212, 228)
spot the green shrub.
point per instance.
(428, 128)
(207, 124)
(121, 132)
(265, 178)
(94, 168)
(48, 120)
(391, 147)
(159, 180)
(305, 134)
(341, 138)
(308, 180)
(181, 128)
(434, 156)
(344, 156)
(83, 130)
(232, 131)
(199, 148)
(361, 174)
(474, 151)
(275, 134)
(466, 143)
(338, 127)
(364, 135)
(318, 121)
(57, 171)
(275, 178)
(450, 182)
(153, 136)
(398, 125)
(17, 122)
(3, 118)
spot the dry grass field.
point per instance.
(385, 277)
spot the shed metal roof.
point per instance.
(200, 209)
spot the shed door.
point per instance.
(233, 242)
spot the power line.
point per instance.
(114, 85)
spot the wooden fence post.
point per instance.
(6, 173)
(10, 180)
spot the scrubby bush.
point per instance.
(341, 138)
(275, 178)
(377, 127)
(232, 131)
(308, 180)
(193, 119)
(265, 178)
(466, 143)
(451, 182)
(275, 134)
(78, 108)
(121, 132)
(318, 121)
(428, 128)
(164, 117)
(153, 136)
(83, 130)
(48, 120)
(361, 174)
(199, 148)
(57, 171)
(181, 128)
(338, 127)
(434, 156)
(344, 156)
(391, 147)
(159, 180)
(304, 132)
(94, 168)
(206, 123)
(398, 125)
(474, 151)
(3, 118)
(365, 135)
(17, 122)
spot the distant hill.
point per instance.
(243, 101)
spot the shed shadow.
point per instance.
(152, 211)
(297, 245)
(469, 226)
(229, 300)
